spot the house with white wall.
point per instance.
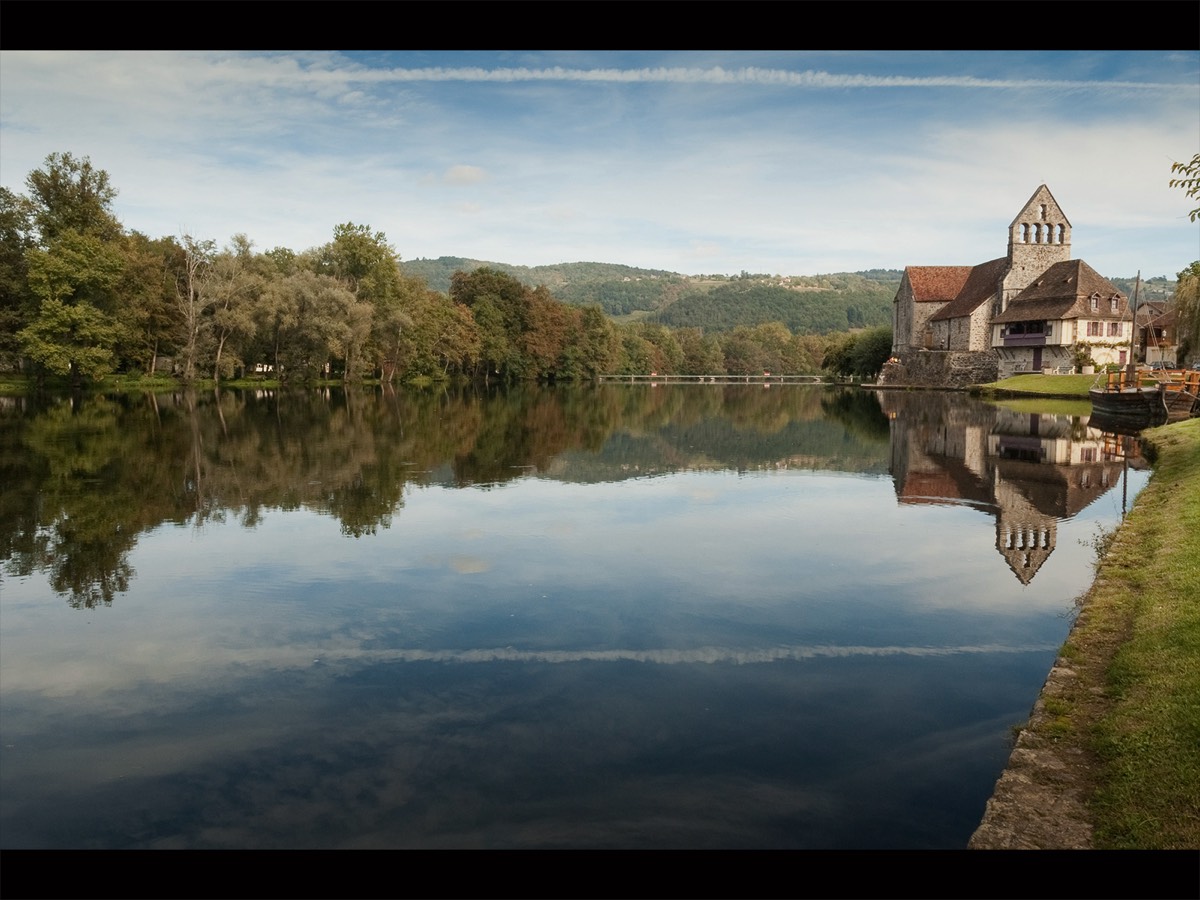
(1068, 313)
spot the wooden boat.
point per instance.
(1124, 395)
(1181, 391)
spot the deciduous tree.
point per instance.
(1187, 311)
(69, 194)
(71, 339)
(1189, 181)
(191, 298)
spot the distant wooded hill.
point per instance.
(807, 305)
(815, 304)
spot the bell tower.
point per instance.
(1038, 237)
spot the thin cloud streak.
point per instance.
(810, 79)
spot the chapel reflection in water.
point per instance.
(84, 478)
(1030, 470)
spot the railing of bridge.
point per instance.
(765, 378)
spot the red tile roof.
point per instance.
(981, 285)
(936, 284)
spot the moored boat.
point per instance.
(1123, 395)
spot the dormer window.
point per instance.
(1095, 302)
(1113, 303)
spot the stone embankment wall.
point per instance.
(942, 368)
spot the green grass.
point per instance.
(1041, 385)
(1147, 596)
(140, 383)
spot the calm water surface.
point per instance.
(686, 616)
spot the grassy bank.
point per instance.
(1137, 649)
(1040, 385)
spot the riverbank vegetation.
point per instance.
(1120, 728)
(82, 298)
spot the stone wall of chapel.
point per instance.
(922, 313)
(964, 333)
(902, 308)
(938, 368)
(910, 320)
(1027, 263)
(981, 328)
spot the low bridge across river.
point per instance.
(765, 378)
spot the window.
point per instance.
(1093, 329)
(1113, 304)
(1095, 302)
(1114, 329)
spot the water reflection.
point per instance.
(83, 478)
(1029, 469)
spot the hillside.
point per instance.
(616, 289)
(810, 303)
(806, 305)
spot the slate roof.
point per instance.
(1063, 292)
(936, 284)
(980, 287)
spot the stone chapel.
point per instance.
(1024, 311)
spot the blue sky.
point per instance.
(692, 161)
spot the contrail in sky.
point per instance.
(749, 75)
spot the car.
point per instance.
(1158, 366)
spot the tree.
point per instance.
(500, 305)
(862, 354)
(666, 356)
(871, 351)
(235, 282)
(1187, 311)
(71, 270)
(701, 352)
(71, 339)
(1190, 182)
(76, 267)
(546, 328)
(16, 302)
(72, 330)
(190, 298)
(743, 354)
(441, 337)
(369, 267)
(592, 346)
(313, 319)
(147, 311)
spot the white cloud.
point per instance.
(464, 175)
(735, 160)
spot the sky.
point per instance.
(791, 163)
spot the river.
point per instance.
(608, 616)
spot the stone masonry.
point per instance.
(942, 368)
